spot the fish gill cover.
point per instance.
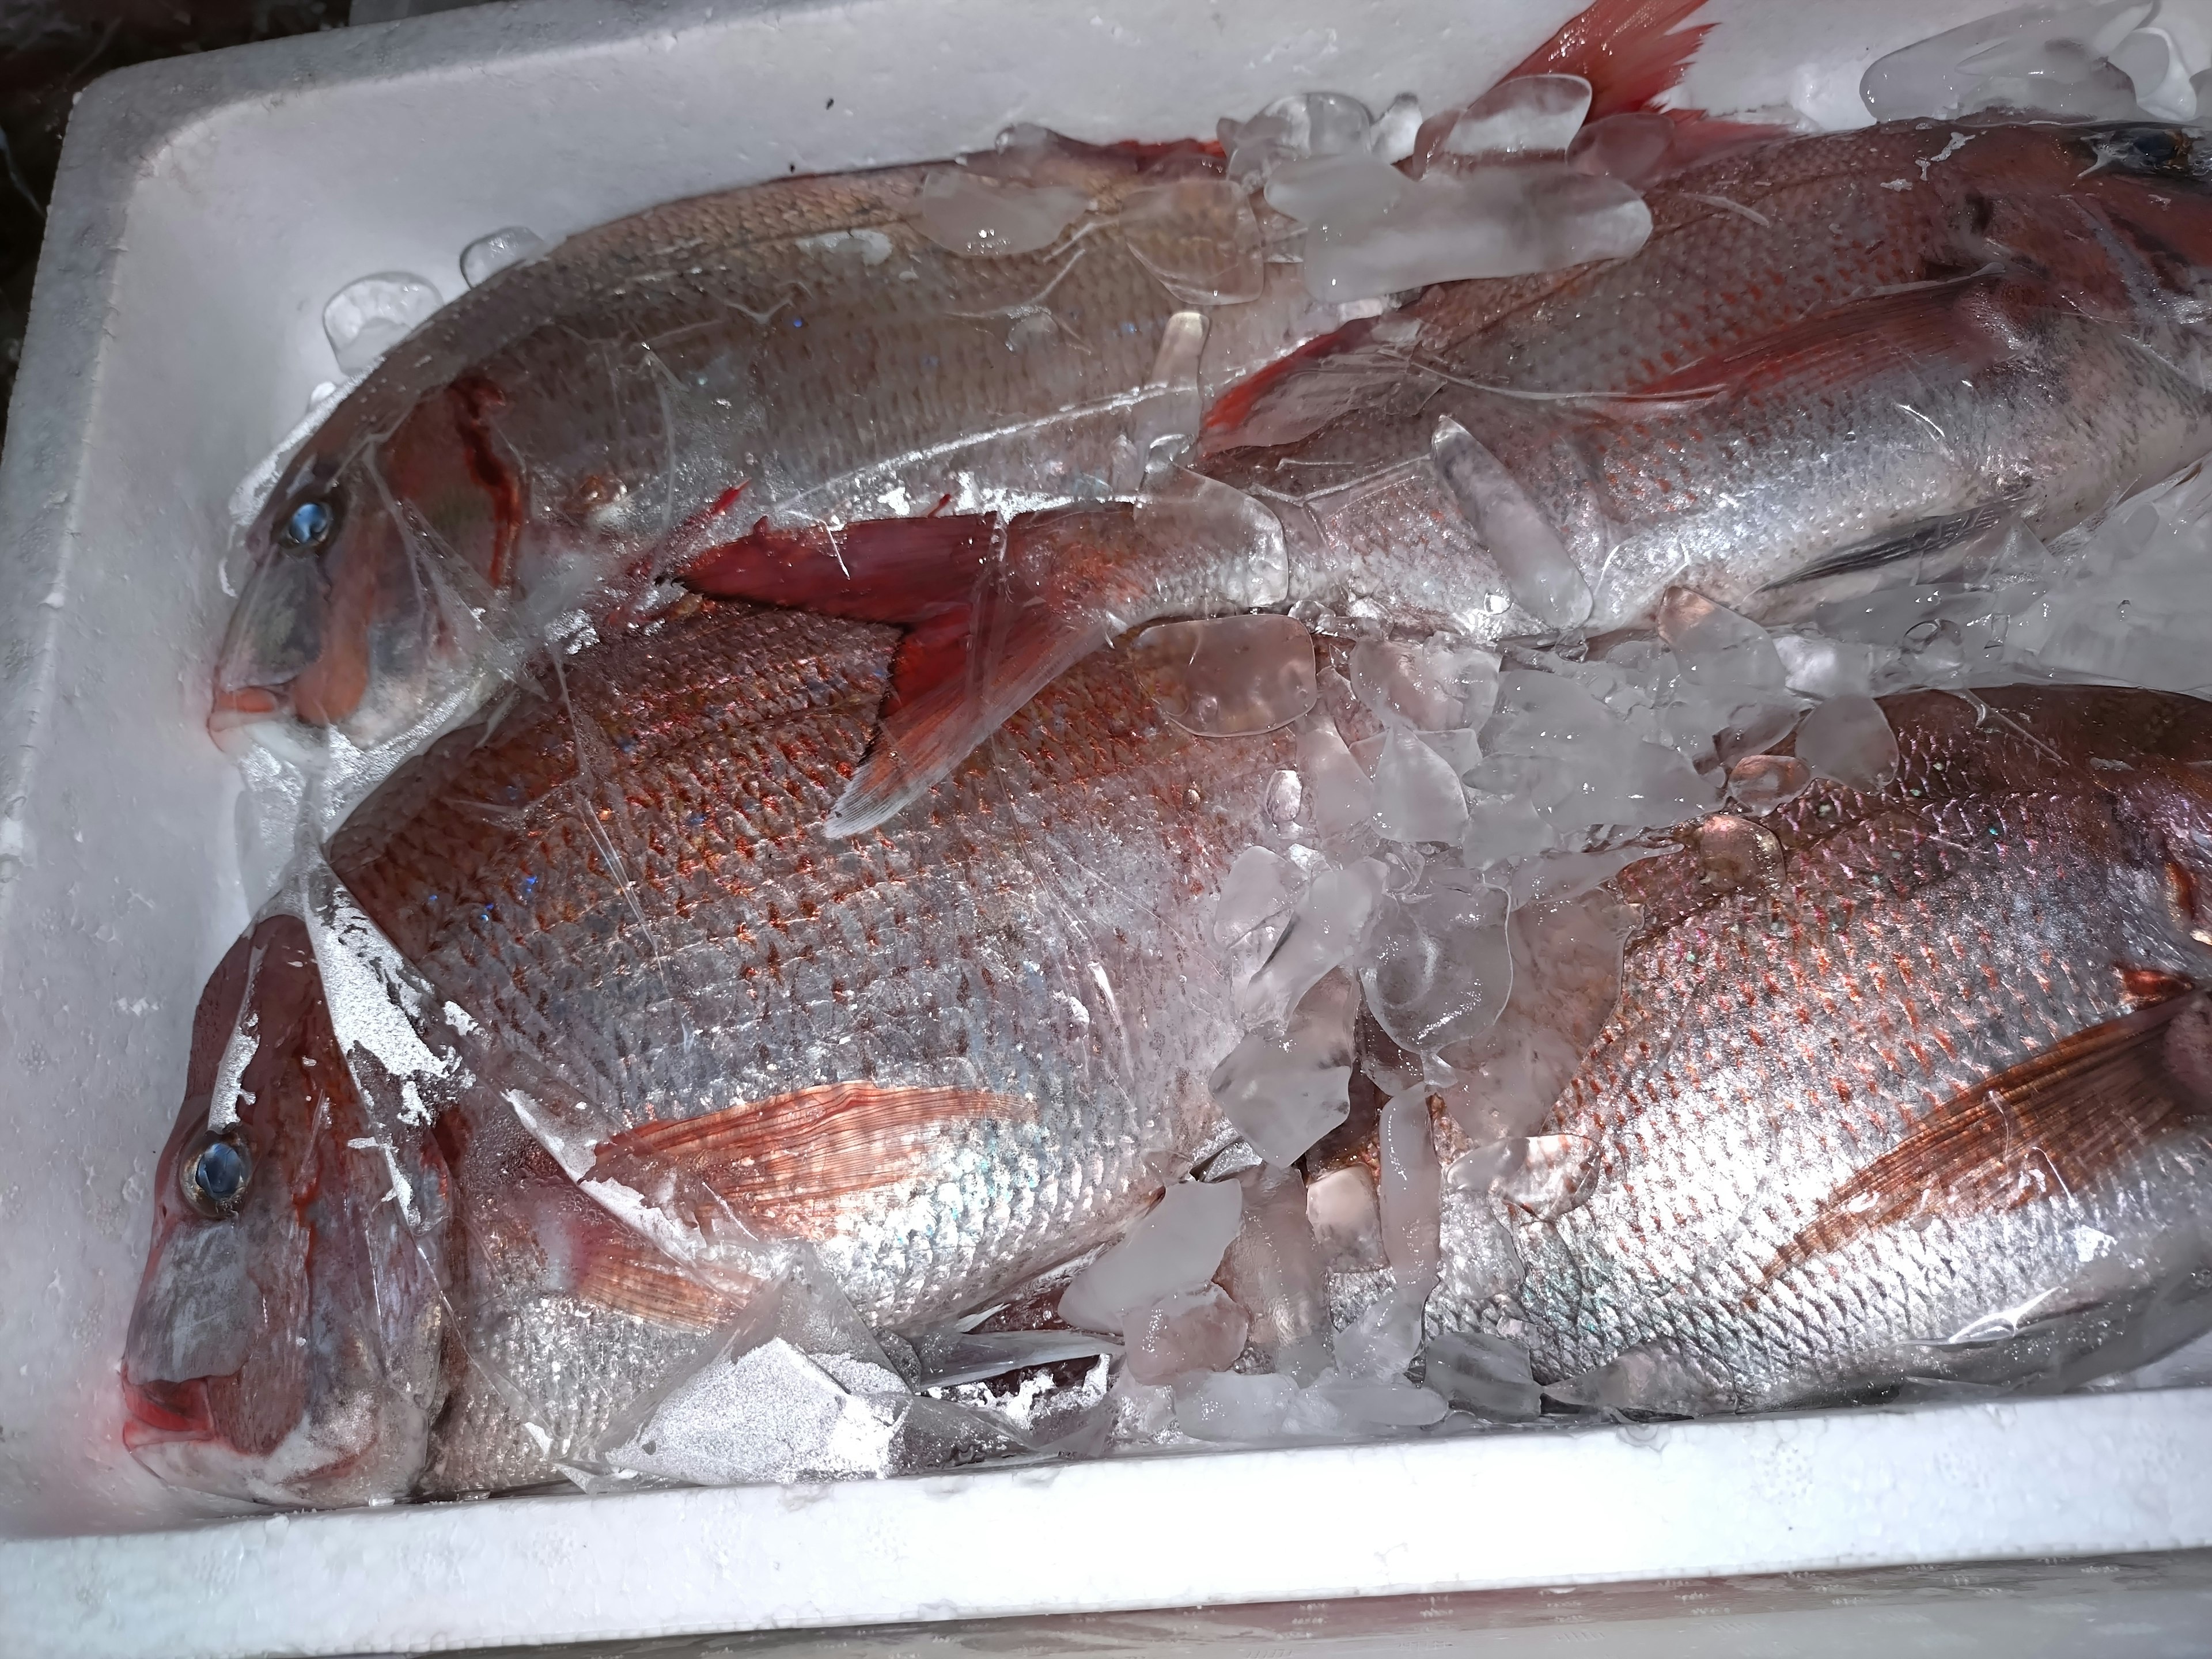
(1385, 775)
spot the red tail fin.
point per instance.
(1629, 51)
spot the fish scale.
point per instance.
(1042, 898)
(1750, 1070)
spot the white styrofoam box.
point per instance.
(206, 209)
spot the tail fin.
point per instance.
(1629, 51)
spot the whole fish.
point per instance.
(948, 1059)
(797, 351)
(1872, 380)
(1919, 1091)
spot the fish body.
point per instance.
(799, 352)
(1832, 347)
(947, 1058)
(1928, 1098)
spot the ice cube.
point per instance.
(1817, 667)
(1435, 687)
(1327, 927)
(1483, 1374)
(1762, 783)
(1438, 965)
(1540, 572)
(1290, 129)
(1546, 1175)
(1285, 799)
(969, 213)
(1381, 1343)
(1730, 673)
(366, 318)
(1238, 1410)
(770, 1413)
(1579, 765)
(1176, 1246)
(1529, 112)
(488, 255)
(1200, 1330)
(1849, 740)
(1391, 137)
(1231, 677)
(1286, 1086)
(1341, 1407)
(1198, 236)
(2152, 64)
(1338, 791)
(1259, 886)
(1567, 977)
(1341, 191)
(1273, 1269)
(1448, 227)
(1418, 795)
(1413, 1190)
(1631, 148)
(1345, 1219)
(1168, 417)
(2051, 59)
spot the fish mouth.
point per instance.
(165, 1414)
(246, 705)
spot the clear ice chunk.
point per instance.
(1548, 1176)
(1345, 1219)
(1849, 740)
(1338, 791)
(1733, 852)
(1631, 148)
(2152, 61)
(969, 213)
(1412, 1191)
(1815, 666)
(1341, 189)
(770, 1413)
(1392, 135)
(1273, 1269)
(1200, 1330)
(1539, 571)
(1486, 1374)
(1341, 1407)
(1233, 1409)
(1286, 1086)
(1433, 688)
(1177, 1246)
(1200, 237)
(1528, 113)
(1764, 783)
(366, 318)
(1381, 1343)
(1292, 129)
(1418, 795)
(1169, 416)
(1231, 677)
(1579, 765)
(488, 255)
(1260, 886)
(1369, 238)
(1325, 928)
(1438, 965)
(2049, 60)
(1732, 677)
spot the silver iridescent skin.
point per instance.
(1924, 1097)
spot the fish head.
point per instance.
(286, 1345)
(376, 570)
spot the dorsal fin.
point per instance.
(1631, 52)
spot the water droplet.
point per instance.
(1735, 850)
(1761, 783)
(488, 255)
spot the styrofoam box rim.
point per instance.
(110, 471)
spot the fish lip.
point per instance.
(164, 1414)
(239, 706)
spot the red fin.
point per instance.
(1629, 51)
(786, 1165)
(2049, 1126)
(920, 574)
(1235, 406)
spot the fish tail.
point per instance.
(1631, 52)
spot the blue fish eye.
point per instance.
(215, 1178)
(309, 525)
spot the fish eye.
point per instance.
(215, 1178)
(2164, 152)
(307, 527)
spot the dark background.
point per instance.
(51, 49)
